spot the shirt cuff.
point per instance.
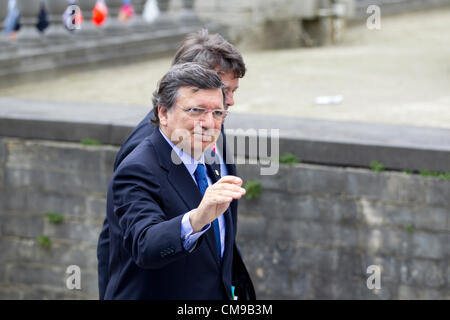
(188, 237)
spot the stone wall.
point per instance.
(37, 177)
(311, 234)
(259, 24)
(292, 23)
(314, 231)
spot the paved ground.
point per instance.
(399, 74)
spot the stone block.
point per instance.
(432, 218)
(342, 236)
(397, 215)
(384, 241)
(34, 201)
(43, 292)
(417, 293)
(265, 255)
(276, 205)
(317, 180)
(70, 206)
(11, 293)
(324, 286)
(429, 245)
(423, 273)
(276, 282)
(62, 254)
(438, 192)
(22, 226)
(448, 276)
(313, 233)
(300, 232)
(3, 151)
(108, 157)
(301, 286)
(337, 286)
(12, 200)
(17, 250)
(370, 213)
(2, 177)
(351, 264)
(313, 259)
(2, 270)
(75, 231)
(377, 214)
(336, 209)
(386, 186)
(268, 182)
(27, 274)
(365, 184)
(251, 227)
(95, 208)
(57, 181)
(406, 188)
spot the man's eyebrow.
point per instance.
(204, 107)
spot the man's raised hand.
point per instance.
(216, 200)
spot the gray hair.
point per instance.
(188, 74)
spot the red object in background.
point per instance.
(99, 13)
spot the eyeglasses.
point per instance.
(197, 112)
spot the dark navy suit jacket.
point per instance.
(239, 272)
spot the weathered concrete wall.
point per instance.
(312, 233)
(37, 177)
(291, 23)
(261, 24)
(314, 230)
(395, 6)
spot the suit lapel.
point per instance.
(178, 176)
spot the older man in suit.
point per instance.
(172, 230)
(214, 52)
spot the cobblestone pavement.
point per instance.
(399, 74)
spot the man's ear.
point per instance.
(162, 114)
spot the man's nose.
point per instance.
(229, 99)
(207, 120)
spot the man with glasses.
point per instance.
(214, 52)
(172, 230)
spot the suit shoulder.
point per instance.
(143, 155)
(143, 130)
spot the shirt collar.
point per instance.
(189, 162)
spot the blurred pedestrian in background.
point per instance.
(11, 23)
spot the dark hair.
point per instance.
(212, 51)
(188, 74)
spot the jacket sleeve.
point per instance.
(152, 240)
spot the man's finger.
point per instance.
(226, 186)
(230, 179)
(234, 195)
(221, 199)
